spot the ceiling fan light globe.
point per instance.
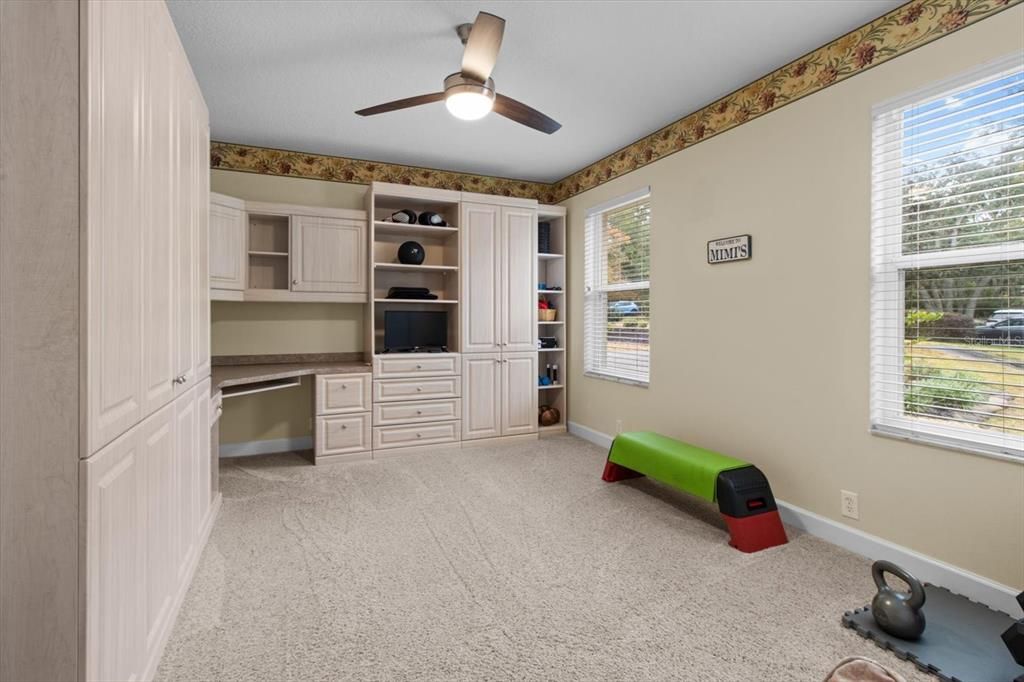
(469, 106)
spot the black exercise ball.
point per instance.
(411, 253)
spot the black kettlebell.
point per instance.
(898, 613)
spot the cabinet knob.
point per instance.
(294, 282)
(419, 411)
(344, 426)
(344, 386)
(418, 435)
(419, 388)
(419, 366)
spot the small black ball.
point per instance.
(411, 253)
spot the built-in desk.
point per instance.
(342, 425)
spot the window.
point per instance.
(616, 299)
(947, 262)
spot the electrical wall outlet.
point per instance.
(848, 504)
(618, 426)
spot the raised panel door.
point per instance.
(519, 279)
(157, 173)
(184, 233)
(186, 499)
(227, 247)
(113, 213)
(157, 451)
(201, 237)
(115, 617)
(202, 454)
(480, 292)
(328, 255)
(481, 404)
(518, 393)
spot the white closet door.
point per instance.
(480, 259)
(186, 499)
(157, 449)
(518, 393)
(519, 278)
(201, 237)
(115, 630)
(184, 232)
(202, 453)
(113, 191)
(481, 397)
(328, 255)
(157, 227)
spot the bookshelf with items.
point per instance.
(552, 327)
(430, 275)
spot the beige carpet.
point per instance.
(500, 563)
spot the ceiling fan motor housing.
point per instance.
(457, 83)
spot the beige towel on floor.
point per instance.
(857, 669)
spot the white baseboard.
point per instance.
(929, 569)
(266, 447)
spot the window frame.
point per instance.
(889, 266)
(598, 368)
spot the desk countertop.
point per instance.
(226, 373)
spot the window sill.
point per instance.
(947, 443)
(618, 380)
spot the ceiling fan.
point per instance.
(469, 94)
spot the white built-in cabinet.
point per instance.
(145, 469)
(499, 394)
(281, 252)
(227, 247)
(499, 319)
(328, 255)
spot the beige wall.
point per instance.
(768, 360)
(261, 328)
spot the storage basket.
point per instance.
(546, 315)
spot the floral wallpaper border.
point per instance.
(238, 157)
(904, 29)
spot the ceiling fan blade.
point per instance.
(482, 46)
(402, 104)
(528, 116)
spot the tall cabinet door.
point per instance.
(157, 227)
(201, 238)
(112, 196)
(481, 395)
(227, 243)
(519, 279)
(186, 501)
(519, 393)
(328, 255)
(113, 483)
(157, 450)
(481, 292)
(184, 234)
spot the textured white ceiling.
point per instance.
(290, 74)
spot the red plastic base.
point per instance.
(754, 533)
(614, 472)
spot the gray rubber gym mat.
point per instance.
(961, 641)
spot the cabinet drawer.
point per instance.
(392, 390)
(342, 393)
(415, 434)
(342, 435)
(415, 365)
(417, 412)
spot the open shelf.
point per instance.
(550, 291)
(552, 322)
(550, 350)
(275, 254)
(417, 230)
(440, 301)
(550, 256)
(550, 387)
(403, 267)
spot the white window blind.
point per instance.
(947, 299)
(616, 299)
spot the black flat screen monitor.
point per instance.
(406, 330)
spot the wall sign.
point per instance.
(730, 249)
